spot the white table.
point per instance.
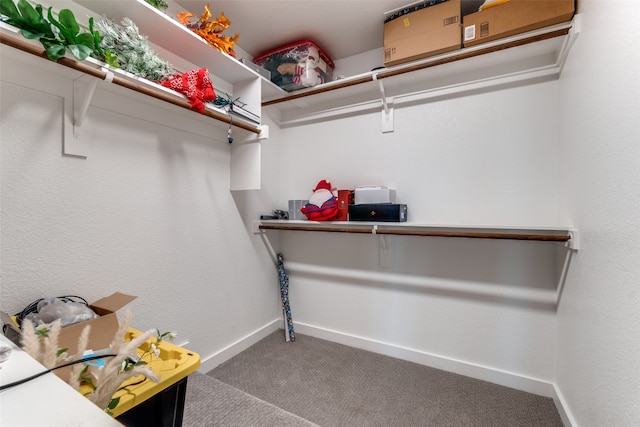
(45, 401)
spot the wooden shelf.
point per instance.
(545, 234)
(165, 31)
(171, 36)
(10, 36)
(531, 57)
(245, 155)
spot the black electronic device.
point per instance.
(378, 212)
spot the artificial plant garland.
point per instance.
(158, 4)
(133, 51)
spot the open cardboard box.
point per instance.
(103, 328)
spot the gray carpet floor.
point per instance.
(314, 381)
(210, 402)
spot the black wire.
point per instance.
(39, 374)
(222, 102)
(132, 384)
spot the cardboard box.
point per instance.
(423, 33)
(103, 328)
(514, 17)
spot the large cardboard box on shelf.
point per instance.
(426, 32)
(103, 328)
(513, 17)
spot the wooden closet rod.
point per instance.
(476, 235)
(27, 47)
(325, 229)
(428, 233)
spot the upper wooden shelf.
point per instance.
(530, 57)
(184, 48)
(168, 33)
(10, 36)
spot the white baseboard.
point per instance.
(484, 373)
(563, 409)
(504, 378)
(210, 362)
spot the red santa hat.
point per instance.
(323, 185)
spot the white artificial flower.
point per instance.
(155, 350)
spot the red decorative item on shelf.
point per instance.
(323, 204)
(195, 85)
(345, 198)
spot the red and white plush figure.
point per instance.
(308, 72)
(323, 203)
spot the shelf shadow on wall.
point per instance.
(525, 274)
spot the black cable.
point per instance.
(39, 374)
(124, 387)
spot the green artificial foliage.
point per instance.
(79, 43)
(133, 51)
(56, 35)
(158, 4)
(29, 19)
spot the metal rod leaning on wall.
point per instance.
(25, 46)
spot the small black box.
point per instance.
(381, 212)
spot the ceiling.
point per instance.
(342, 28)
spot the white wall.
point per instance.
(598, 359)
(148, 212)
(489, 158)
(565, 152)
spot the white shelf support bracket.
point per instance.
(385, 248)
(574, 32)
(387, 107)
(264, 132)
(574, 241)
(83, 89)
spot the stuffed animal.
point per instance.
(308, 72)
(305, 73)
(323, 203)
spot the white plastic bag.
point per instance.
(51, 309)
